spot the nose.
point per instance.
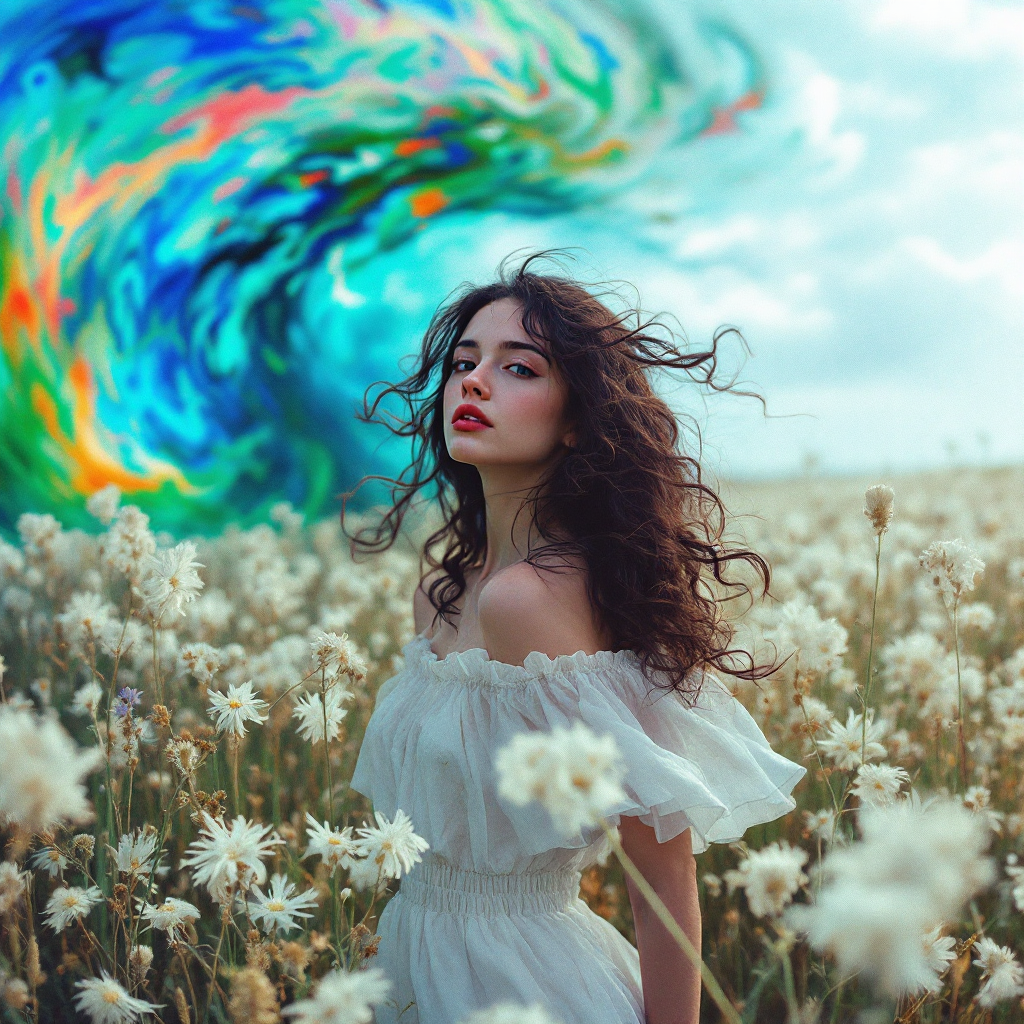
(474, 383)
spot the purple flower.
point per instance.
(127, 698)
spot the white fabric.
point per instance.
(493, 913)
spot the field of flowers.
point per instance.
(179, 721)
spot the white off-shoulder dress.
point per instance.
(493, 912)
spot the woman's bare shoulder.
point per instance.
(527, 608)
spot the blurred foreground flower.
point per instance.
(511, 1013)
(574, 773)
(342, 998)
(912, 871)
(41, 772)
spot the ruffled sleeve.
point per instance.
(707, 767)
(430, 745)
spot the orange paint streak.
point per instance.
(93, 466)
(723, 119)
(428, 202)
(599, 151)
(312, 177)
(409, 146)
(18, 310)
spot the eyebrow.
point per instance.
(506, 346)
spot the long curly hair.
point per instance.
(634, 506)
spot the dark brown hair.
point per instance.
(647, 527)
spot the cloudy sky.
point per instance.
(876, 268)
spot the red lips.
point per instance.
(461, 417)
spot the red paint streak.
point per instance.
(409, 146)
(308, 178)
(14, 191)
(231, 112)
(229, 188)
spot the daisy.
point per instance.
(50, 860)
(69, 903)
(334, 848)
(237, 707)
(309, 710)
(135, 852)
(879, 784)
(939, 953)
(106, 1002)
(1002, 977)
(171, 580)
(393, 845)
(170, 916)
(226, 856)
(342, 998)
(281, 905)
(843, 742)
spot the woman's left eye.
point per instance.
(522, 366)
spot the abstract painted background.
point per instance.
(221, 221)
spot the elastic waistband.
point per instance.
(437, 885)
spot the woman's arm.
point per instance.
(671, 983)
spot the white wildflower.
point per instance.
(511, 1013)
(310, 708)
(106, 1002)
(171, 579)
(335, 848)
(170, 916)
(342, 998)
(978, 800)
(128, 541)
(139, 961)
(1002, 977)
(278, 909)
(820, 643)
(39, 534)
(821, 825)
(843, 742)
(770, 877)
(879, 784)
(337, 654)
(952, 566)
(392, 845)
(87, 699)
(201, 660)
(939, 953)
(976, 615)
(366, 874)
(50, 860)
(878, 506)
(575, 774)
(84, 621)
(104, 503)
(41, 772)
(914, 869)
(69, 903)
(12, 886)
(135, 852)
(238, 706)
(230, 856)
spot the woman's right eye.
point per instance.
(455, 364)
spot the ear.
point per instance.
(569, 440)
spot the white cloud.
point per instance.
(1003, 262)
(964, 27)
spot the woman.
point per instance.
(571, 585)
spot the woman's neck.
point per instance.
(509, 518)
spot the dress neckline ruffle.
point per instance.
(475, 666)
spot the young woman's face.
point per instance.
(517, 397)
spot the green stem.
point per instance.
(682, 939)
(961, 744)
(871, 653)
